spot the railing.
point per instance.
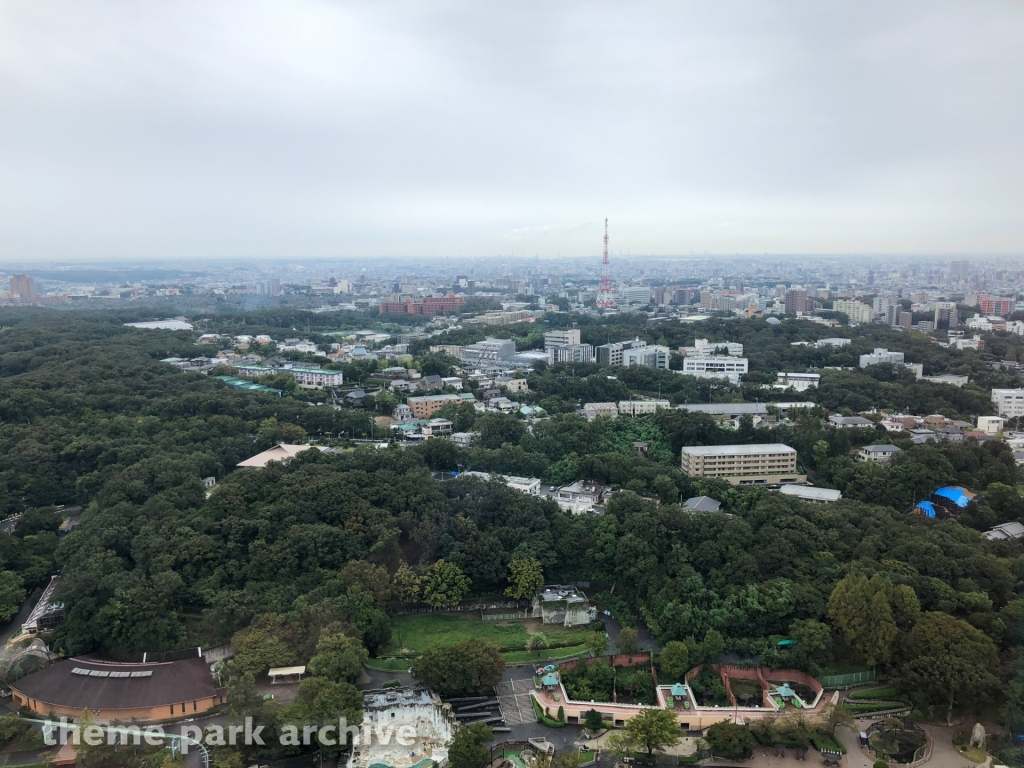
(919, 753)
(833, 682)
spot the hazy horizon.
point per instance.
(329, 131)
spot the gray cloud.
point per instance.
(193, 129)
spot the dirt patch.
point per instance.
(533, 626)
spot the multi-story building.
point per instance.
(307, 378)
(429, 305)
(759, 464)
(705, 347)
(798, 381)
(855, 310)
(654, 356)
(641, 407)
(715, 367)
(24, 287)
(452, 350)
(796, 301)
(573, 353)
(424, 406)
(611, 354)
(592, 410)
(566, 338)
(877, 453)
(881, 355)
(995, 305)
(1009, 402)
(489, 351)
(946, 316)
(633, 294)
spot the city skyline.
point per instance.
(315, 131)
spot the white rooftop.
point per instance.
(811, 493)
(737, 450)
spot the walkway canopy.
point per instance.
(276, 672)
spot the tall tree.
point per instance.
(337, 657)
(472, 666)
(469, 747)
(445, 585)
(525, 577)
(947, 660)
(859, 608)
(674, 659)
(652, 730)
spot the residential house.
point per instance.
(877, 453)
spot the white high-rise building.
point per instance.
(1009, 402)
(855, 310)
(566, 338)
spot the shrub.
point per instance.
(880, 764)
(730, 740)
(592, 720)
(561, 714)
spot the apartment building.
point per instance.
(796, 301)
(1009, 402)
(424, 406)
(995, 305)
(759, 464)
(946, 316)
(715, 367)
(641, 407)
(592, 410)
(855, 310)
(307, 378)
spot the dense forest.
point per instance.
(289, 560)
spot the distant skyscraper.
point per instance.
(946, 317)
(958, 269)
(24, 286)
(796, 301)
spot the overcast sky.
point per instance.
(185, 129)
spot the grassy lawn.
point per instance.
(875, 693)
(418, 632)
(389, 665)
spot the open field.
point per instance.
(418, 632)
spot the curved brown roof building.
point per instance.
(121, 692)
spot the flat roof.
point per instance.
(810, 492)
(737, 450)
(276, 671)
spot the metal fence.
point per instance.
(833, 682)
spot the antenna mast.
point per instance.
(604, 293)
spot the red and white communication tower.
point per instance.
(604, 293)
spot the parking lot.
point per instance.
(516, 704)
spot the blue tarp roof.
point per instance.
(926, 507)
(957, 495)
